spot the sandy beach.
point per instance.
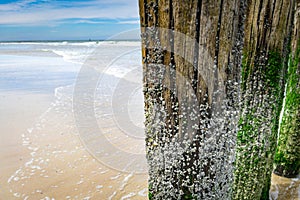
(18, 112)
(42, 153)
(42, 158)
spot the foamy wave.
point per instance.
(116, 71)
(63, 95)
(58, 92)
(87, 44)
(62, 43)
(131, 194)
(76, 57)
(121, 43)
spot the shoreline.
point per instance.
(47, 150)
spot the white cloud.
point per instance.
(29, 12)
(86, 21)
(15, 6)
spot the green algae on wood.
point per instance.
(267, 33)
(256, 139)
(287, 158)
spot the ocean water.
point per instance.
(95, 119)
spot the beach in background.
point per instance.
(43, 155)
(49, 152)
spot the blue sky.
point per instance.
(67, 19)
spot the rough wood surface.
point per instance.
(267, 35)
(191, 59)
(287, 158)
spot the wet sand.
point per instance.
(43, 158)
(285, 188)
(18, 112)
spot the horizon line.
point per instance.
(70, 40)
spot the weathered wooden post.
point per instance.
(287, 158)
(191, 62)
(266, 49)
(191, 55)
